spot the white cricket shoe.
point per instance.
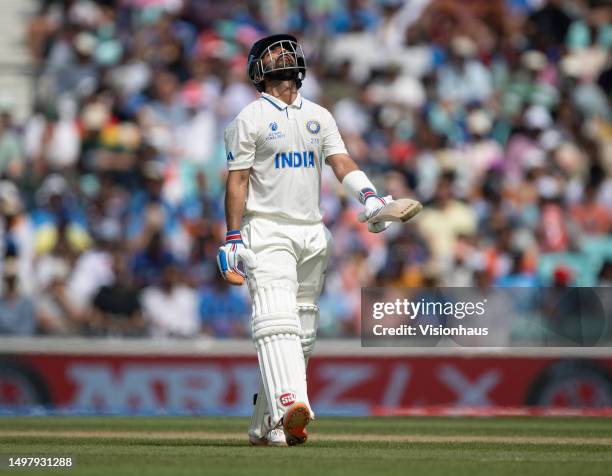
(275, 437)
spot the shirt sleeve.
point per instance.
(240, 142)
(332, 142)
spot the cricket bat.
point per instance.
(400, 210)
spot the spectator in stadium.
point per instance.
(151, 214)
(16, 235)
(17, 316)
(590, 215)
(58, 217)
(11, 155)
(444, 221)
(55, 309)
(224, 310)
(171, 307)
(116, 308)
(51, 139)
(464, 79)
(148, 264)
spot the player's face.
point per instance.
(279, 57)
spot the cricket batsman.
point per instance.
(276, 241)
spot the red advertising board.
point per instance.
(350, 384)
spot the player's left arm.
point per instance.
(378, 211)
(342, 165)
(359, 186)
(354, 180)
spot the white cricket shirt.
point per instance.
(285, 147)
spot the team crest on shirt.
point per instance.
(313, 126)
(273, 126)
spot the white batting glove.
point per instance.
(372, 205)
(231, 255)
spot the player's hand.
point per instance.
(232, 255)
(372, 205)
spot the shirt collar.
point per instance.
(280, 105)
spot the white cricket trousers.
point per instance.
(285, 287)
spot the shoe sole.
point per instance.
(400, 210)
(295, 421)
(278, 445)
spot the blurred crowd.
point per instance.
(496, 114)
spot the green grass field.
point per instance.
(356, 446)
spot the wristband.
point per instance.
(356, 182)
(365, 194)
(233, 236)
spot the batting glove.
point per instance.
(231, 255)
(373, 204)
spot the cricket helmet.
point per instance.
(290, 65)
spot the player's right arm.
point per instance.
(240, 144)
(235, 197)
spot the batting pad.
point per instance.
(276, 333)
(258, 428)
(309, 322)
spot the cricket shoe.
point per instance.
(294, 423)
(268, 435)
(275, 437)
